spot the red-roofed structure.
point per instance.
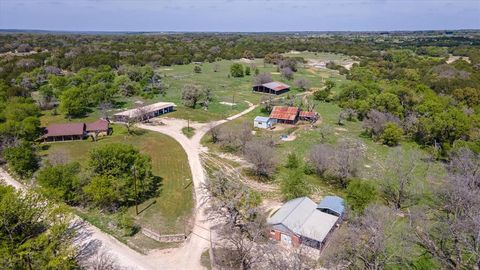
(100, 125)
(308, 116)
(284, 114)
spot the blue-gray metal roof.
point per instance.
(302, 217)
(262, 119)
(332, 203)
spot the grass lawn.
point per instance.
(166, 213)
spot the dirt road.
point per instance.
(188, 255)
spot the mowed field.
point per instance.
(171, 209)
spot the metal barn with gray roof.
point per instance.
(302, 221)
(275, 88)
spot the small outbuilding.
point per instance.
(308, 116)
(302, 222)
(145, 112)
(274, 88)
(100, 127)
(263, 122)
(284, 114)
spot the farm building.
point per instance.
(263, 122)
(308, 116)
(145, 112)
(75, 131)
(286, 115)
(98, 128)
(302, 221)
(275, 88)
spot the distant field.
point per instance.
(174, 204)
(225, 89)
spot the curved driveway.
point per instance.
(188, 255)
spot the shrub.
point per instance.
(359, 194)
(22, 159)
(392, 134)
(197, 69)
(294, 185)
(61, 181)
(292, 161)
(236, 70)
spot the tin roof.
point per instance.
(284, 113)
(146, 109)
(308, 114)
(332, 203)
(69, 129)
(302, 217)
(99, 125)
(276, 86)
(262, 119)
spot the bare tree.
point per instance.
(287, 73)
(364, 242)
(277, 257)
(242, 226)
(191, 94)
(214, 132)
(262, 78)
(103, 260)
(321, 158)
(339, 165)
(375, 122)
(399, 173)
(348, 114)
(347, 159)
(105, 106)
(262, 155)
(450, 232)
(302, 83)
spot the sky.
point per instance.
(239, 15)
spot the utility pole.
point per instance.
(233, 100)
(135, 188)
(188, 124)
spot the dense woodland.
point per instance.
(401, 89)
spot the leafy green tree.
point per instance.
(468, 95)
(292, 161)
(388, 102)
(359, 194)
(293, 185)
(34, 234)
(197, 69)
(61, 181)
(247, 71)
(22, 159)
(329, 85)
(444, 127)
(236, 70)
(392, 134)
(73, 102)
(104, 191)
(126, 86)
(117, 169)
(321, 95)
